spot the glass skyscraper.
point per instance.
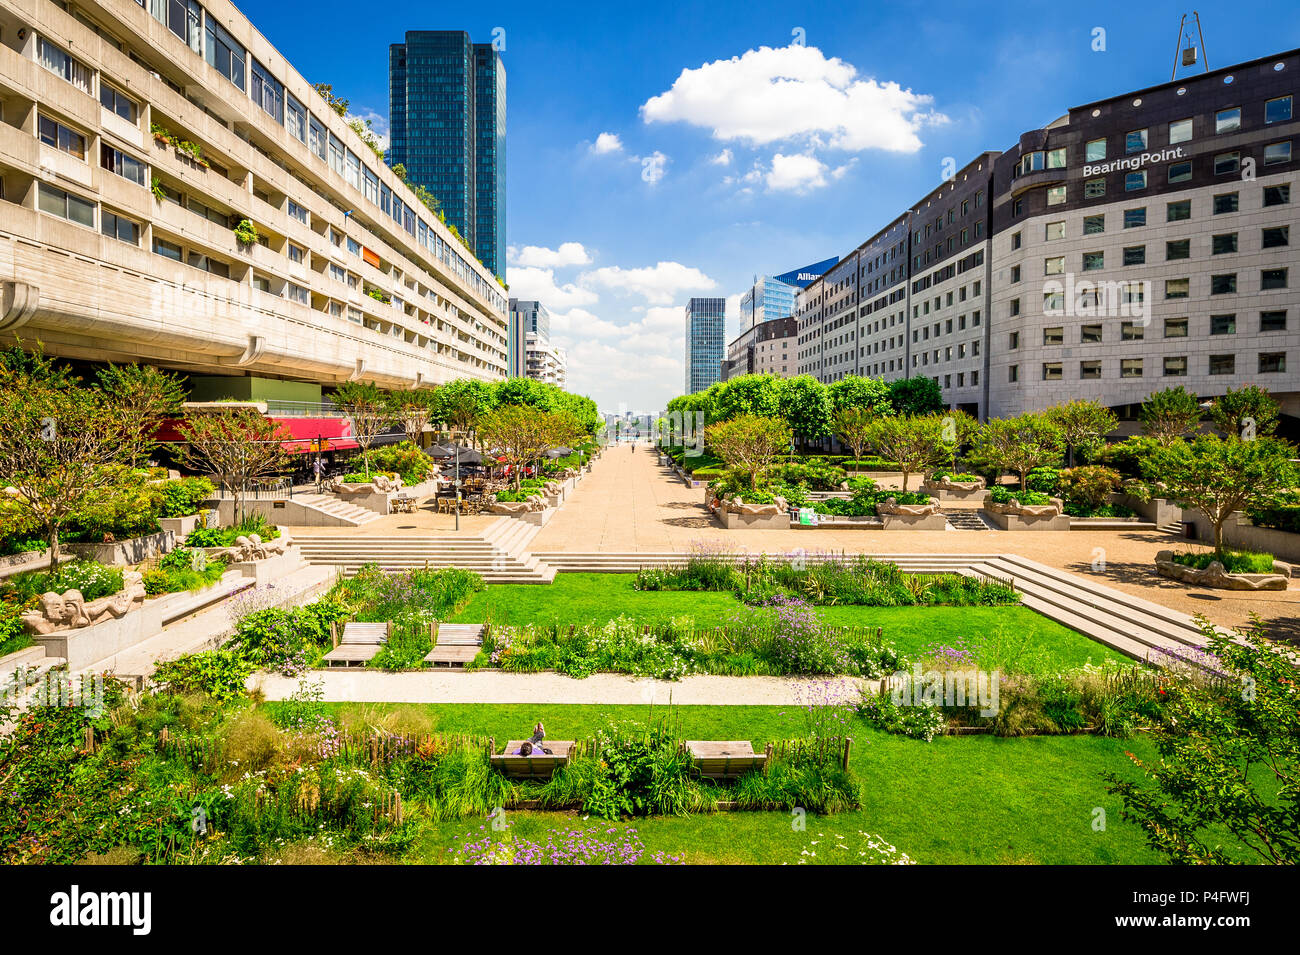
(705, 341)
(447, 114)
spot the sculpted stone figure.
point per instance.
(1054, 509)
(71, 611)
(891, 506)
(1216, 575)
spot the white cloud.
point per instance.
(659, 284)
(569, 253)
(795, 93)
(796, 173)
(607, 143)
(537, 283)
(721, 159)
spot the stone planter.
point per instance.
(956, 490)
(121, 553)
(27, 560)
(1034, 517)
(181, 526)
(916, 517)
(1217, 576)
(735, 514)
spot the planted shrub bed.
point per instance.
(1234, 561)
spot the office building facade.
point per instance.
(527, 317)
(705, 337)
(136, 138)
(546, 362)
(1136, 243)
(769, 348)
(447, 118)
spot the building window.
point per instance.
(1135, 141)
(1135, 255)
(371, 186)
(1131, 332)
(116, 161)
(1175, 328)
(296, 253)
(1227, 163)
(1051, 371)
(169, 250)
(1056, 194)
(1056, 158)
(1015, 277)
(1054, 265)
(1277, 110)
(1094, 188)
(1180, 131)
(1180, 171)
(124, 230)
(1135, 180)
(1275, 238)
(1054, 230)
(1223, 364)
(1013, 341)
(1134, 218)
(118, 103)
(1089, 334)
(1054, 336)
(65, 205)
(1272, 321)
(337, 152)
(1015, 241)
(1223, 324)
(1224, 203)
(1018, 207)
(1272, 362)
(1277, 152)
(295, 118)
(296, 293)
(1176, 366)
(297, 212)
(1178, 249)
(1223, 244)
(1094, 151)
(1130, 368)
(1277, 195)
(1178, 211)
(54, 133)
(1177, 288)
(1227, 120)
(267, 92)
(1089, 369)
(209, 265)
(1013, 373)
(1270, 279)
(1093, 261)
(317, 138)
(61, 64)
(1225, 284)
(222, 52)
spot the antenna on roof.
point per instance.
(1189, 49)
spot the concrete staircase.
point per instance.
(335, 512)
(496, 555)
(606, 563)
(967, 520)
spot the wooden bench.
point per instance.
(359, 643)
(726, 759)
(454, 644)
(539, 766)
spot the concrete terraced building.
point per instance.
(1136, 243)
(137, 135)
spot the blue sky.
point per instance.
(657, 152)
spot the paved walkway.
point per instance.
(447, 686)
(629, 503)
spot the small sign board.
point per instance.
(808, 516)
(275, 504)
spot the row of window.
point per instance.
(1225, 243)
(1172, 366)
(1273, 320)
(1277, 110)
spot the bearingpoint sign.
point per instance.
(1133, 162)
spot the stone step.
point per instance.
(1109, 524)
(27, 657)
(967, 520)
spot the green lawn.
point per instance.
(972, 799)
(1008, 634)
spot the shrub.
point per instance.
(93, 579)
(1086, 490)
(1002, 495)
(923, 721)
(183, 497)
(1234, 561)
(218, 673)
(818, 477)
(1043, 480)
(406, 460)
(182, 569)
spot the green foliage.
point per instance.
(1169, 414)
(918, 395)
(182, 569)
(1083, 425)
(183, 497)
(219, 674)
(1086, 490)
(246, 232)
(1001, 495)
(923, 722)
(816, 477)
(1020, 444)
(406, 460)
(1229, 757)
(92, 579)
(1233, 561)
(806, 408)
(1044, 480)
(749, 444)
(856, 393)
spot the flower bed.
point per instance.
(1230, 570)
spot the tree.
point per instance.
(749, 394)
(523, 435)
(412, 409)
(852, 426)
(806, 408)
(460, 403)
(918, 395)
(1218, 476)
(749, 443)
(1021, 444)
(144, 396)
(1246, 413)
(326, 90)
(235, 445)
(1229, 757)
(915, 442)
(1169, 414)
(369, 411)
(59, 446)
(855, 391)
(1084, 425)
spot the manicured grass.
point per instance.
(972, 799)
(1019, 634)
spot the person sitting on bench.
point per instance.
(533, 746)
